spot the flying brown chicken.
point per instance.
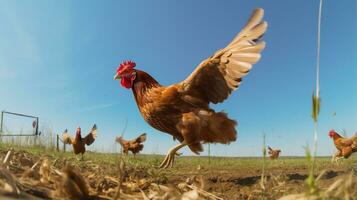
(78, 143)
(135, 145)
(182, 110)
(273, 153)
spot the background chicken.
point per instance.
(134, 145)
(182, 109)
(78, 143)
(345, 146)
(273, 153)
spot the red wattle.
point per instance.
(126, 82)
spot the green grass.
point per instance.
(184, 163)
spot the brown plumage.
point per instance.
(182, 109)
(273, 153)
(135, 145)
(345, 146)
(78, 143)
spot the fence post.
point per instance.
(209, 153)
(37, 122)
(2, 120)
(57, 142)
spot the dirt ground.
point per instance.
(237, 184)
(29, 174)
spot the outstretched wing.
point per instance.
(141, 138)
(89, 139)
(66, 138)
(216, 77)
(120, 140)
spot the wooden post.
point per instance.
(57, 142)
(37, 122)
(2, 121)
(209, 153)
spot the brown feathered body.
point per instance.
(135, 145)
(78, 143)
(182, 116)
(345, 146)
(273, 153)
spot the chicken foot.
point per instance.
(336, 159)
(170, 157)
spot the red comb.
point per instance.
(331, 132)
(128, 64)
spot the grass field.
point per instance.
(222, 178)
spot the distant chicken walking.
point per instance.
(78, 143)
(135, 145)
(345, 146)
(273, 153)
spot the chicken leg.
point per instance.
(337, 157)
(170, 157)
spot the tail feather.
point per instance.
(221, 129)
(141, 147)
(207, 127)
(196, 148)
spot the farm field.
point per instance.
(222, 178)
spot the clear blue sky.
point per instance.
(58, 59)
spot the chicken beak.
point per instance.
(117, 76)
